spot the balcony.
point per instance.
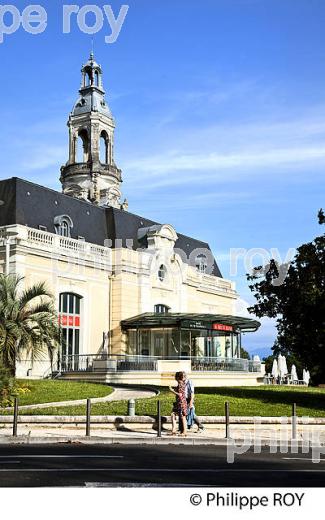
(52, 244)
(87, 169)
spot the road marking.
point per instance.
(137, 484)
(161, 470)
(61, 457)
(301, 458)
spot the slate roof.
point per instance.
(23, 202)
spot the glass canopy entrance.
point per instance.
(175, 335)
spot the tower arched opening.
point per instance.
(104, 147)
(82, 152)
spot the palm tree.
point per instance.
(28, 322)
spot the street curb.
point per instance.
(151, 420)
(27, 440)
(108, 440)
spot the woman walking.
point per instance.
(180, 408)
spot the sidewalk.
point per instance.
(127, 434)
(99, 436)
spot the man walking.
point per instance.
(189, 394)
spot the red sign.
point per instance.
(69, 321)
(220, 326)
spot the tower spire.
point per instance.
(91, 172)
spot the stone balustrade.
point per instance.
(52, 243)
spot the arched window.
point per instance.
(104, 148)
(82, 152)
(63, 225)
(88, 77)
(70, 322)
(64, 229)
(162, 273)
(160, 308)
(96, 78)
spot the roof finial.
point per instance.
(92, 49)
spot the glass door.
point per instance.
(158, 345)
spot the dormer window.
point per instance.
(160, 308)
(201, 264)
(63, 225)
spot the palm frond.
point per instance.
(28, 321)
(38, 290)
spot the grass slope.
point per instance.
(251, 401)
(49, 391)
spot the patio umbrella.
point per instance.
(257, 359)
(306, 376)
(294, 375)
(282, 366)
(275, 370)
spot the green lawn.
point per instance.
(48, 391)
(250, 401)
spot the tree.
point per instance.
(291, 360)
(269, 363)
(294, 294)
(244, 354)
(28, 322)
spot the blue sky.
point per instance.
(220, 110)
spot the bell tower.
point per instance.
(91, 173)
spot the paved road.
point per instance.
(133, 465)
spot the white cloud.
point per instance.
(41, 158)
(190, 156)
(217, 162)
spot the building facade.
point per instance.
(136, 299)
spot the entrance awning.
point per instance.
(190, 321)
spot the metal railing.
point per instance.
(129, 363)
(106, 363)
(219, 364)
(288, 431)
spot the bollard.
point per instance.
(294, 421)
(15, 423)
(88, 418)
(227, 419)
(131, 408)
(159, 418)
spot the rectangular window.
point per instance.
(70, 341)
(132, 342)
(71, 300)
(76, 342)
(64, 303)
(77, 305)
(64, 343)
